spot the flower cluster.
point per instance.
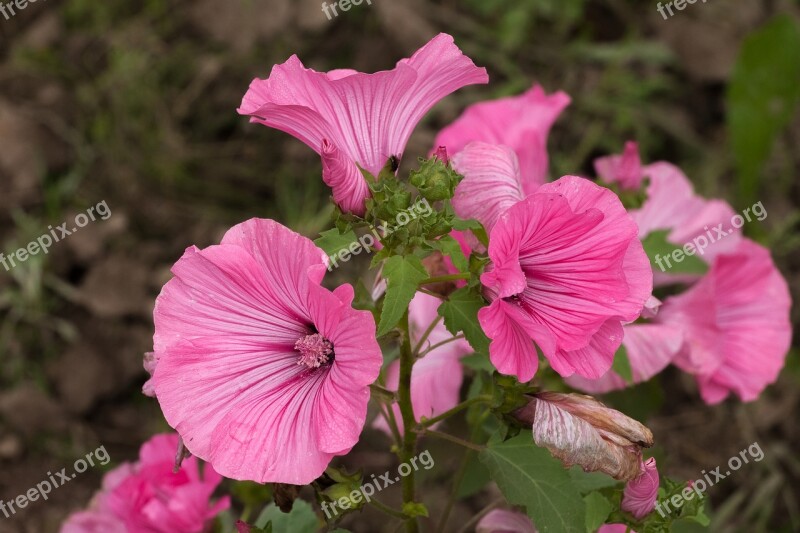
(266, 374)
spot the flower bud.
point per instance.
(640, 495)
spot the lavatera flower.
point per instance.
(263, 372)
(579, 430)
(352, 119)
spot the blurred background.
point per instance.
(134, 103)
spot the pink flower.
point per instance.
(736, 324)
(649, 347)
(353, 119)
(521, 123)
(436, 378)
(263, 372)
(148, 497)
(639, 497)
(567, 271)
(505, 521)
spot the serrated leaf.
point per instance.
(403, 275)
(301, 519)
(597, 510)
(452, 249)
(529, 476)
(331, 241)
(622, 364)
(660, 250)
(460, 312)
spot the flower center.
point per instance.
(315, 350)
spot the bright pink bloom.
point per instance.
(148, 497)
(650, 348)
(354, 119)
(436, 378)
(615, 528)
(263, 372)
(520, 122)
(567, 270)
(736, 324)
(505, 521)
(639, 497)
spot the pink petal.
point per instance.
(640, 494)
(367, 117)
(93, 522)
(505, 521)
(593, 360)
(736, 324)
(491, 182)
(520, 122)
(650, 348)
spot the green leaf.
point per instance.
(301, 519)
(476, 476)
(597, 510)
(659, 250)
(478, 361)
(762, 97)
(590, 481)
(460, 312)
(450, 247)
(622, 365)
(403, 276)
(331, 241)
(529, 476)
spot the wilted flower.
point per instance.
(580, 430)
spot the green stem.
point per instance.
(428, 422)
(448, 277)
(438, 344)
(451, 438)
(425, 336)
(388, 510)
(409, 446)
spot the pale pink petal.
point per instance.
(639, 497)
(505, 521)
(367, 117)
(650, 348)
(520, 122)
(736, 324)
(491, 182)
